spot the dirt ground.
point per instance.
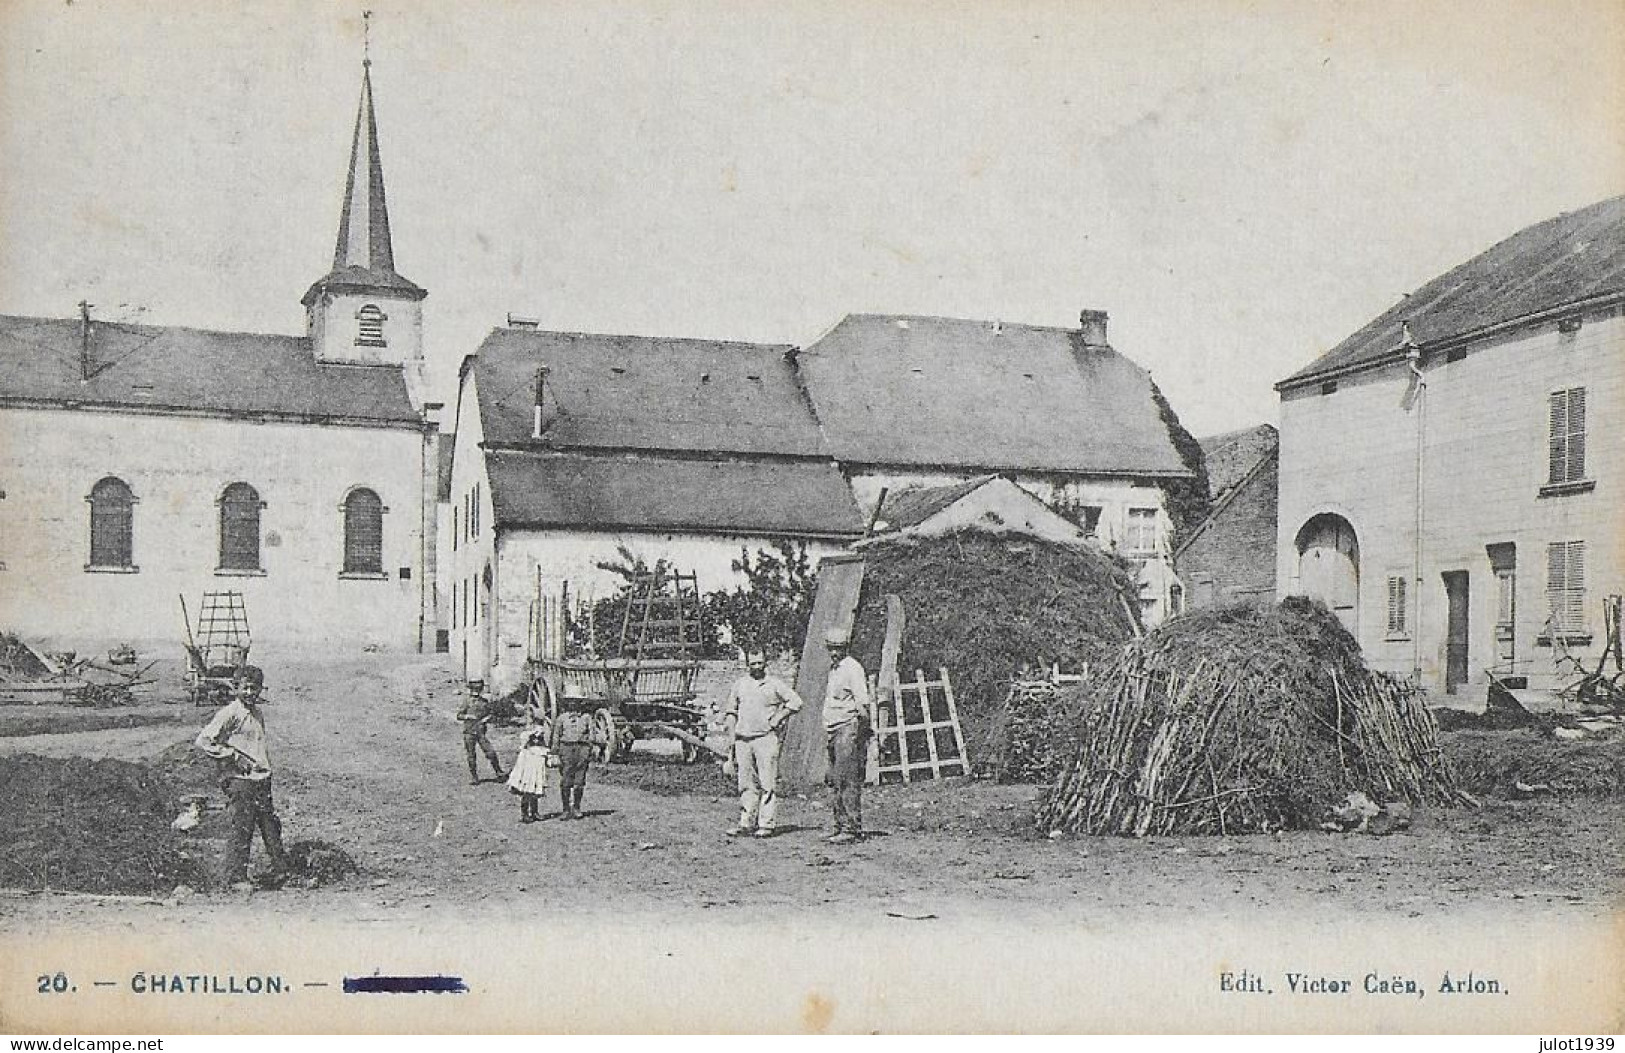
(369, 758)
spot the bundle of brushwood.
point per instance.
(1244, 719)
(985, 606)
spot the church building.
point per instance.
(140, 464)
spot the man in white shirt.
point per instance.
(758, 708)
(846, 720)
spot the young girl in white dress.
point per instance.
(529, 777)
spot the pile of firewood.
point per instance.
(1242, 720)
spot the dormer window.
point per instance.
(370, 331)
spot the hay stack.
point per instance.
(984, 606)
(1244, 719)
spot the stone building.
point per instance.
(569, 447)
(141, 463)
(911, 402)
(1230, 556)
(1448, 472)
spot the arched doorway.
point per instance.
(1329, 566)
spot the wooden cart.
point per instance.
(631, 699)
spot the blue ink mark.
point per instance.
(404, 985)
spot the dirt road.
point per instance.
(369, 758)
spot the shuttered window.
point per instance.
(1398, 609)
(1566, 585)
(370, 327)
(363, 533)
(1567, 446)
(240, 528)
(112, 512)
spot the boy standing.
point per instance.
(235, 737)
(476, 713)
(572, 744)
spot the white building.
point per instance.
(570, 446)
(141, 463)
(1449, 473)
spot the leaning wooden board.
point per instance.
(802, 762)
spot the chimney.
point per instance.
(1093, 327)
(516, 322)
(84, 342)
(537, 425)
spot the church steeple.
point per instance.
(364, 257)
(364, 226)
(362, 310)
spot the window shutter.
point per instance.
(1557, 466)
(1577, 434)
(1575, 578)
(1565, 585)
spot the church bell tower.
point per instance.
(362, 311)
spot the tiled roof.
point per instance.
(644, 393)
(1571, 258)
(195, 370)
(1231, 455)
(908, 390)
(905, 508)
(637, 492)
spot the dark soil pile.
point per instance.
(984, 606)
(1496, 763)
(91, 826)
(1245, 719)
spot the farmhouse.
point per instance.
(908, 402)
(571, 446)
(1449, 474)
(140, 462)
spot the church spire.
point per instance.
(362, 311)
(364, 226)
(364, 257)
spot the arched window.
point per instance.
(363, 533)
(370, 327)
(111, 511)
(240, 528)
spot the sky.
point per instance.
(1239, 184)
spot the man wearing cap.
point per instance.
(846, 720)
(235, 737)
(758, 708)
(476, 713)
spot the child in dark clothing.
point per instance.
(572, 743)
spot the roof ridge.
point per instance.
(522, 333)
(153, 327)
(1003, 323)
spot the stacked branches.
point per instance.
(1244, 719)
(986, 606)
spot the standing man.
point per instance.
(236, 739)
(476, 713)
(758, 708)
(846, 720)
